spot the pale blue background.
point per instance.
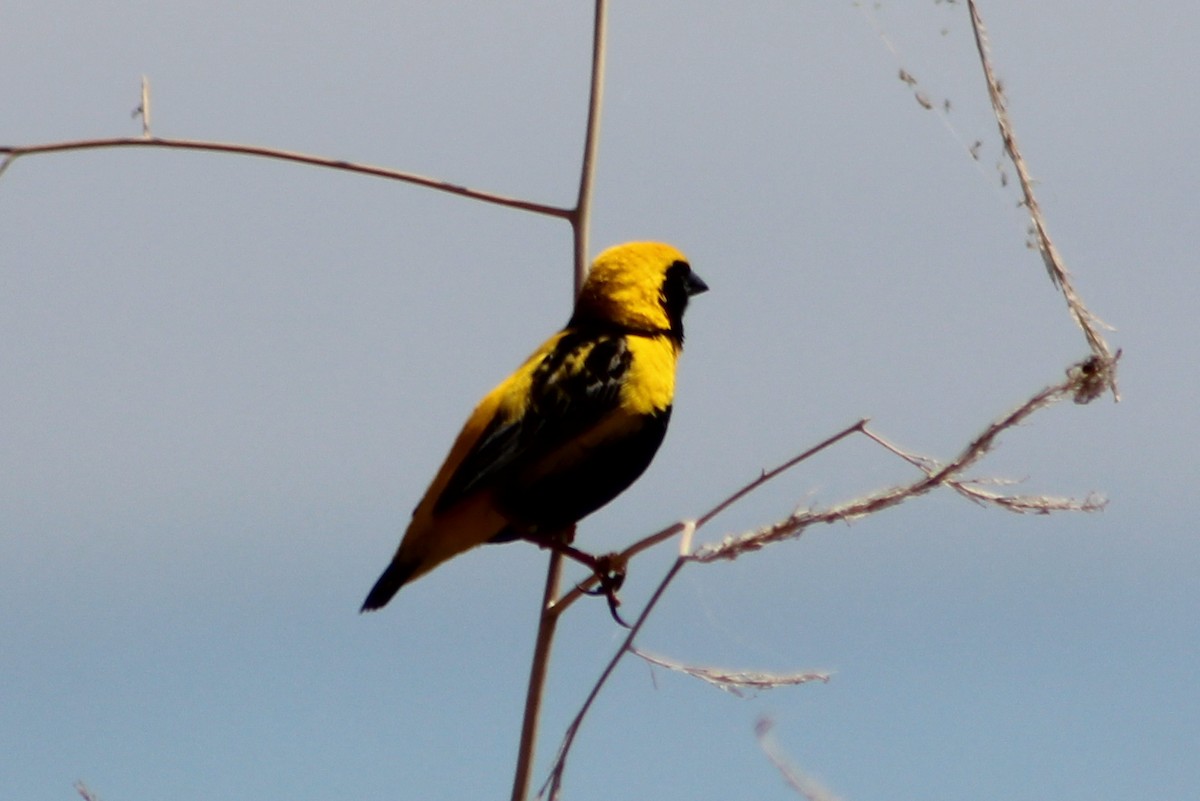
(224, 382)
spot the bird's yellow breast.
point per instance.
(649, 386)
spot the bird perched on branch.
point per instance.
(570, 430)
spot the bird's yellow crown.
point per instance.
(626, 287)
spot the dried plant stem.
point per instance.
(13, 153)
(143, 109)
(804, 786)
(971, 490)
(734, 681)
(540, 663)
(85, 793)
(1084, 318)
(579, 217)
(554, 782)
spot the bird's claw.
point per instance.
(610, 574)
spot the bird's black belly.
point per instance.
(553, 502)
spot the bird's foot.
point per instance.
(609, 570)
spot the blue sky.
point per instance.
(227, 381)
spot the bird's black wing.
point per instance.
(573, 387)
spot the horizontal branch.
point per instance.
(15, 152)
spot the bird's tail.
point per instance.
(397, 573)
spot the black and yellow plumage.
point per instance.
(571, 429)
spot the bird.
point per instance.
(573, 427)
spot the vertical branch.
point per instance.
(554, 783)
(580, 218)
(537, 680)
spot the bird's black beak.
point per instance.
(694, 284)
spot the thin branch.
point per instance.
(675, 528)
(540, 664)
(143, 109)
(84, 792)
(1028, 504)
(581, 215)
(804, 786)
(788, 465)
(972, 490)
(15, 152)
(580, 218)
(9, 159)
(735, 682)
(554, 782)
(1083, 316)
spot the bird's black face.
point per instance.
(679, 284)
